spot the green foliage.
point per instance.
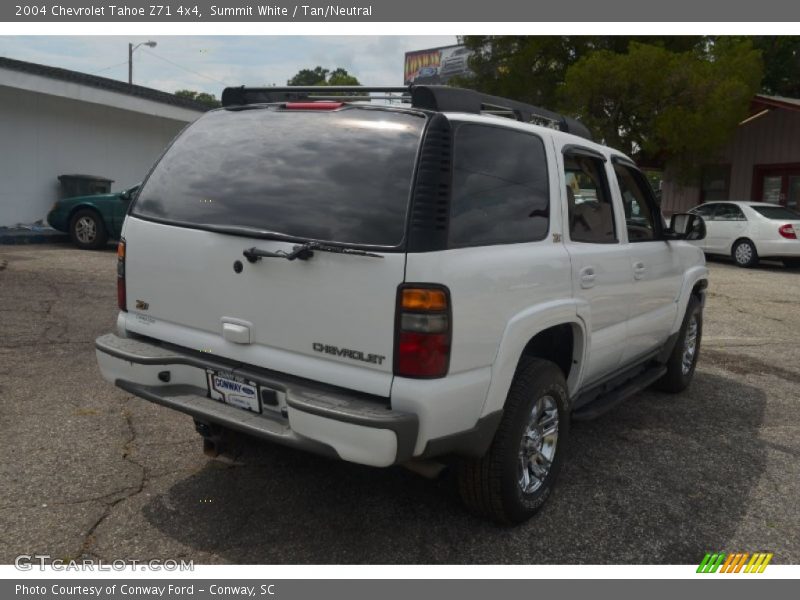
(209, 100)
(658, 105)
(320, 76)
(675, 98)
(781, 56)
(533, 68)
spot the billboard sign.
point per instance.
(436, 65)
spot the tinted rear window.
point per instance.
(500, 187)
(341, 175)
(776, 212)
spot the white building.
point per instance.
(55, 122)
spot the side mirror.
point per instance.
(128, 194)
(686, 226)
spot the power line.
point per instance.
(111, 67)
(174, 64)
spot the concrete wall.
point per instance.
(771, 139)
(43, 136)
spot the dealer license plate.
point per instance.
(234, 390)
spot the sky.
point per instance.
(209, 63)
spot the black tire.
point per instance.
(744, 254)
(791, 263)
(87, 231)
(490, 486)
(677, 378)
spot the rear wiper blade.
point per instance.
(339, 249)
(304, 252)
(249, 232)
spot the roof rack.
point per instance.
(439, 98)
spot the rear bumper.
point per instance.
(779, 248)
(321, 419)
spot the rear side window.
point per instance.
(342, 176)
(779, 213)
(500, 188)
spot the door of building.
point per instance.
(778, 184)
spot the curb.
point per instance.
(16, 236)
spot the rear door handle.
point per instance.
(587, 276)
(638, 270)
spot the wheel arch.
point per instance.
(742, 238)
(532, 333)
(86, 206)
(695, 283)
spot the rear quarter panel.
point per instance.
(490, 287)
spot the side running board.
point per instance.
(594, 403)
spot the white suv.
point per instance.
(398, 283)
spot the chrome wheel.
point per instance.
(86, 230)
(743, 253)
(537, 448)
(689, 346)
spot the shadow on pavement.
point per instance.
(662, 479)
(767, 264)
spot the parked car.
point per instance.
(91, 220)
(402, 284)
(750, 231)
(429, 75)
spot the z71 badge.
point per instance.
(375, 359)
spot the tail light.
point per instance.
(788, 231)
(422, 338)
(121, 293)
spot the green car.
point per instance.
(92, 220)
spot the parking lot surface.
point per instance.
(88, 470)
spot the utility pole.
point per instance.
(131, 49)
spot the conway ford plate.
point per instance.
(234, 390)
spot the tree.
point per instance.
(675, 98)
(209, 100)
(533, 68)
(320, 76)
(658, 105)
(781, 56)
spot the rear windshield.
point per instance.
(779, 213)
(342, 175)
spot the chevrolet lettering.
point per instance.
(347, 353)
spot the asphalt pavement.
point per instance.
(90, 471)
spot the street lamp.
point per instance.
(131, 48)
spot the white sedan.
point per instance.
(749, 231)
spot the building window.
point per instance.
(715, 183)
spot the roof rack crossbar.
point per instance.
(437, 98)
